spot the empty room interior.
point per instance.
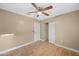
(39, 29)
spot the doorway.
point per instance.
(46, 30)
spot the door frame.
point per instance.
(52, 32)
(36, 31)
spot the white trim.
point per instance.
(51, 32)
(36, 31)
(14, 48)
(67, 48)
(17, 13)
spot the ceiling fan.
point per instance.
(40, 10)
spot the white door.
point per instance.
(36, 31)
(51, 32)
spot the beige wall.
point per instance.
(67, 29)
(21, 26)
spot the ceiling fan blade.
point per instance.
(32, 12)
(35, 5)
(47, 8)
(45, 13)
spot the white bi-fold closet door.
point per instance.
(51, 32)
(36, 31)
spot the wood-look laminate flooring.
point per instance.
(41, 49)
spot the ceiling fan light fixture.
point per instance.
(39, 12)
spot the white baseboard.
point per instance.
(14, 48)
(67, 48)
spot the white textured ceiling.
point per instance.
(23, 8)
